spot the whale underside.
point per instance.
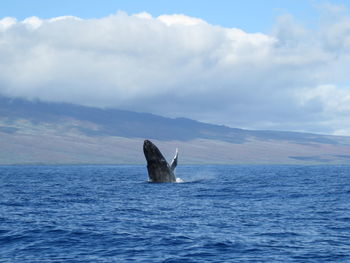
(159, 171)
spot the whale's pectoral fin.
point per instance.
(174, 161)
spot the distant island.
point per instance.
(35, 132)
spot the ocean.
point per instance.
(219, 213)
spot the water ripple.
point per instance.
(220, 214)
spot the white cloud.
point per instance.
(7, 22)
(32, 22)
(175, 65)
(143, 15)
(334, 100)
(59, 18)
(332, 104)
(181, 20)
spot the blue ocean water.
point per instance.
(219, 214)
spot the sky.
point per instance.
(250, 16)
(276, 65)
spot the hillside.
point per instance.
(57, 133)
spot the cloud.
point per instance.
(292, 79)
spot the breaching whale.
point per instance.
(159, 171)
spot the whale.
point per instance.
(159, 170)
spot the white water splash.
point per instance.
(179, 180)
(198, 177)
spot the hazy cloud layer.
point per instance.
(292, 79)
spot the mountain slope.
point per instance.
(40, 132)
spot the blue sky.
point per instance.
(249, 15)
(277, 65)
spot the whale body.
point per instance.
(159, 171)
